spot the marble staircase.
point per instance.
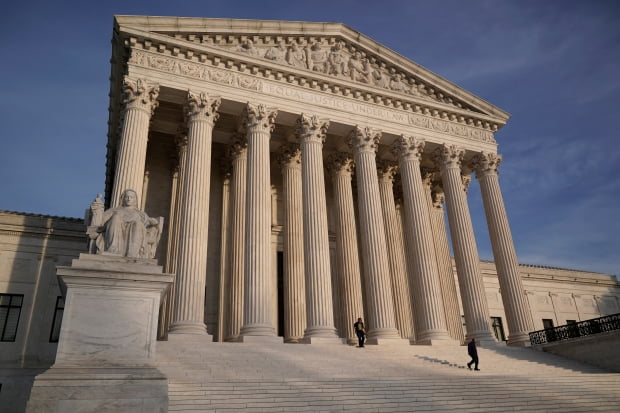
(234, 377)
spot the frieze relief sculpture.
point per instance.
(330, 56)
(123, 231)
(338, 59)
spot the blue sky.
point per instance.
(554, 65)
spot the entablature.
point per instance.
(188, 58)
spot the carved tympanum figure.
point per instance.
(248, 48)
(358, 69)
(296, 56)
(337, 60)
(380, 76)
(277, 53)
(396, 83)
(123, 231)
(318, 58)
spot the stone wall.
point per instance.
(31, 246)
(598, 350)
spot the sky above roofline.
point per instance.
(553, 65)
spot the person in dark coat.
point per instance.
(473, 353)
(360, 330)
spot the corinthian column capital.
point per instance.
(408, 147)
(259, 118)
(466, 180)
(340, 163)
(201, 106)
(289, 156)
(449, 156)
(428, 177)
(311, 128)
(238, 146)
(364, 139)
(438, 197)
(140, 94)
(486, 163)
(386, 170)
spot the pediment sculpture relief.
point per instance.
(336, 58)
(123, 231)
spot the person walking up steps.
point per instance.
(360, 330)
(473, 353)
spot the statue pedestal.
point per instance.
(106, 353)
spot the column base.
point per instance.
(381, 341)
(519, 340)
(437, 342)
(175, 337)
(261, 339)
(76, 389)
(258, 330)
(384, 333)
(481, 337)
(320, 331)
(188, 327)
(323, 340)
(435, 337)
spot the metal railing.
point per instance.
(573, 330)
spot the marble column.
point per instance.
(518, 314)
(140, 100)
(225, 242)
(145, 186)
(341, 168)
(405, 245)
(294, 283)
(451, 307)
(237, 152)
(320, 313)
(259, 122)
(396, 253)
(381, 320)
(166, 301)
(174, 222)
(428, 303)
(473, 295)
(189, 300)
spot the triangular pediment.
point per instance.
(317, 52)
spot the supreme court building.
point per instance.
(307, 176)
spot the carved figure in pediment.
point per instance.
(124, 231)
(318, 58)
(397, 84)
(248, 48)
(413, 88)
(359, 68)
(277, 53)
(380, 76)
(296, 56)
(422, 90)
(337, 60)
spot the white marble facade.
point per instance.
(306, 176)
(230, 135)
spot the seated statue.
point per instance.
(123, 231)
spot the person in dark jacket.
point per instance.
(473, 353)
(360, 330)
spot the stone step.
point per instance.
(223, 377)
